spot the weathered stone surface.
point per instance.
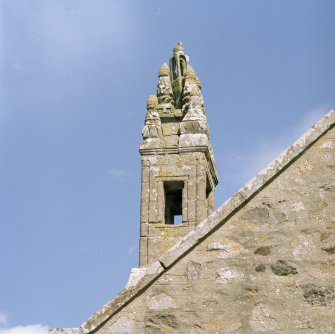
(122, 326)
(226, 275)
(170, 129)
(318, 295)
(193, 140)
(161, 301)
(260, 268)
(136, 275)
(187, 243)
(65, 331)
(193, 271)
(263, 319)
(329, 250)
(282, 268)
(263, 250)
(160, 323)
(121, 300)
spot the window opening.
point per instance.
(208, 188)
(178, 219)
(173, 193)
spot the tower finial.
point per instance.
(179, 48)
(178, 64)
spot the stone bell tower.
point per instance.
(178, 167)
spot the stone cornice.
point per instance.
(177, 150)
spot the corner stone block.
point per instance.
(150, 143)
(171, 141)
(191, 210)
(191, 189)
(144, 230)
(145, 173)
(170, 129)
(143, 251)
(201, 210)
(191, 140)
(145, 203)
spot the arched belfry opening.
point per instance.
(178, 167)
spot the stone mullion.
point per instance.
(152, 195)
(201, 205)
(160, 202)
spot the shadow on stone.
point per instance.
(264, 250)
(329, 250)
(160, 323)
(260, 268)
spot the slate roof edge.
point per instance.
(210, 224)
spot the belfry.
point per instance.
(178, 167)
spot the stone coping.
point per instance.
(208, 226)
(65, 331)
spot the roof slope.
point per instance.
(209, 225)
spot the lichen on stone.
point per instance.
(282, 268)
(318, 295)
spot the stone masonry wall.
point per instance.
(270, 268)
(190, 168)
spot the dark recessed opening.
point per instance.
(174, 69)
(208, 188)
(173, 191)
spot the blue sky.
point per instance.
(74, 79)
